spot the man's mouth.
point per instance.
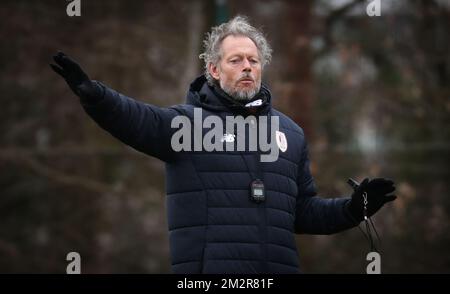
(246, 81)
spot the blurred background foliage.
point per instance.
(372, 94)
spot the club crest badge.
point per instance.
(281, 141)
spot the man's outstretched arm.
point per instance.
(143, 126)
(316, 215)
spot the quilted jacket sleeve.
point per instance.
(316, 215)
(142, 126)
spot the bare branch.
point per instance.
(56, 175)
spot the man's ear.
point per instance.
(213, 70)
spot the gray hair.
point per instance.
(238, 26)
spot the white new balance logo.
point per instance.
(229, 138)
(254, 103)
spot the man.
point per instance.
(229, 211)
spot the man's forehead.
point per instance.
(238, 44)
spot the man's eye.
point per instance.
(234, 61)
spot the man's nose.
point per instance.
(247, 66)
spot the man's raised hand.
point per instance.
(76, 78)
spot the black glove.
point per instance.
(76, 78)
(377, 195)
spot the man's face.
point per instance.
(239, 69)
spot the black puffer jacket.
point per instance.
(214, 227)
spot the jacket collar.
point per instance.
(201, 94)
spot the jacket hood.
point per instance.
(201, 94)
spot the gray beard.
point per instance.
(240, 95)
